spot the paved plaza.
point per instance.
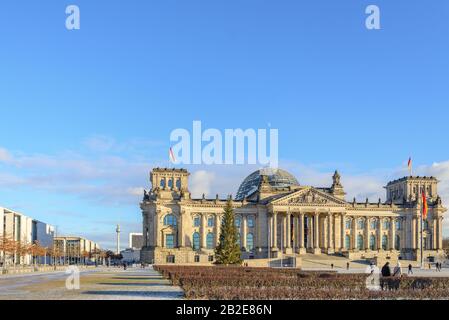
(95, 284)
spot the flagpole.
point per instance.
(422, 238)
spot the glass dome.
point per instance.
(277, 178)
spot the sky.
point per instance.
(85, 114)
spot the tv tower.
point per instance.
(118, 238)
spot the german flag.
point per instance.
(425, 207)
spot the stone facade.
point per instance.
(280, 216)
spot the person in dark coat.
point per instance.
(386, 271)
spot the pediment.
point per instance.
(307, 197)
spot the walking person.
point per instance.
(410, 269)
(397, 272)
(386, 275)
(347, 266)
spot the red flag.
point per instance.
(172, 155)
(425, 207)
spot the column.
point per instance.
(392, 234)
(379, 231)
(413, 225)
(354, 233)
(316, 238)
(342, 232)
(434, 234)
(301, 233)
(330, 236)
(217, 229)
(325, 236)
(366, 235)
(156, 230)
(270, 231)
(244, 230)
(295, 233)
(440, 233)
(275, 230)
(180, 228)
(288, 231)
(203, 231)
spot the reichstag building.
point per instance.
(276, 215)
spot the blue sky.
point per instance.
(85, 114)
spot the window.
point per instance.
(197, 259)
(386, 224)
(397, 244)
(250, 242)
(211, 222)
(348, 224)
(170, 259)
(178, 183)
(162, 183)
(238, 222)
(348, 242)
(361, 224)
(197, 222)
(170, 220)
(372, 242)
(384, 242)
(211, 258)
(210, 241)
(196, 241)
(398, 225)
(426, 225)
(170, 183)
(250, 222)
(169, 241)
(373, 224)
(360, 242)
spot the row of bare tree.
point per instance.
(16, 251)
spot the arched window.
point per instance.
(162, 183)
(170, 220)
(360, 242)
(348, 223)
(386, 224)
(197, 222)
(361, 224)
(373, 224)
(210, 240)
(426, 225)
(347, 242)
(384, 242)
(238, 222)
(210, 222)
(196, 241)
(397, 244)
(250, 242)
(398, 225)
(250, 222)
(372, 242)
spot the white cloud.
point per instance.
(5, 156)
(201, 182)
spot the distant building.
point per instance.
(136, 240)
(132, 254)
(21, 229)
(74, 250)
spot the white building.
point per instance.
(17, 227)
(132, 254)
